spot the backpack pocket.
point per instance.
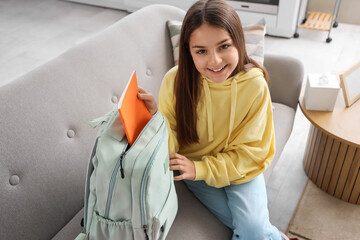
(164, 219)
(102, 228)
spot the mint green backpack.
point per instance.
(129, 192)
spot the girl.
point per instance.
(218, 111)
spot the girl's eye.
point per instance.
(201, 51)
(225, 46)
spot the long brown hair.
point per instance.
(219, 14)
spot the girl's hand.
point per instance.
(149, 101)
(184, 165)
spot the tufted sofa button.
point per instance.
(114, 99)
(148, 72)
(70, 133)
(14, 180)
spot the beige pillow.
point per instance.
(254, 39)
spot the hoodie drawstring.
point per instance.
(232, 110)
(208, 111)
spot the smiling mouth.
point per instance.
(217, 70)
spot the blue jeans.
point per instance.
(243, 208)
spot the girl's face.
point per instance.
(213, 52)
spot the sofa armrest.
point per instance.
(285, 78)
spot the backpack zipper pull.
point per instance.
(121, 165)
(145, 227)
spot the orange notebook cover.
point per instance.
(133, 112)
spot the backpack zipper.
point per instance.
(121, 165)
(145, 231)
(144, 184)
(112, 181)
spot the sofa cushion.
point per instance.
(194, 220)
(286, 75)
(254, 39)
(283, 122)
(72, 228)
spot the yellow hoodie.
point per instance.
(235, 127)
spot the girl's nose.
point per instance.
(214, 59)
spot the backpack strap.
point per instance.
(95, 122)
(90, 169)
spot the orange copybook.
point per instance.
(133, 112)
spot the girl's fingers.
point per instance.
(175, 161)
(176, 167)
(141, 90)
(182, 164)
(176, 156)
(145, 97)
(179, 178)
(148, 99)
(183, 177)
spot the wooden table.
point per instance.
(332, 155)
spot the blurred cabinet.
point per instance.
(282, 22)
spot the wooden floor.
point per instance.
(35, 31)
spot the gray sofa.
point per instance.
(45, 141)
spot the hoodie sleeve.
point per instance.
(251, 147)
(167, 107)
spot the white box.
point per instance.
(321, 92)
